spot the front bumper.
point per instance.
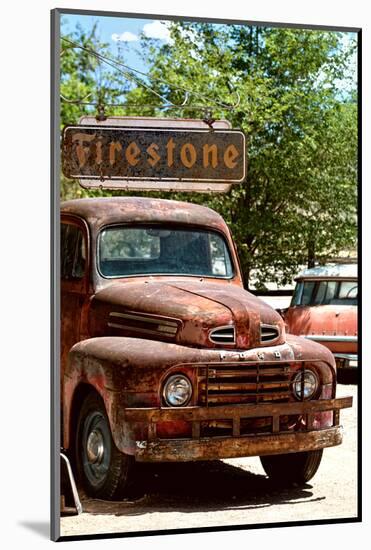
(154, 449)
(178, 450)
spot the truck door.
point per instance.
(74, 282)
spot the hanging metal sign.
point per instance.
(135, 157)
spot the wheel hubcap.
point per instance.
(95, 447)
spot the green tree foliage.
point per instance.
(298, 202)
(84, 80)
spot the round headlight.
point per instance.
(305, 384)
(177, 390)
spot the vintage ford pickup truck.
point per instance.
(165, 356)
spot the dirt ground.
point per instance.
(228, 492)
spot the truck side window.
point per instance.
(348, 290)
(72, 252)
(325, 292)
(307, 293)
(220, 259)
(296, 299)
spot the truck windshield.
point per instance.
(126, 250)
(316, 293)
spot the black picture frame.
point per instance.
(55, 263)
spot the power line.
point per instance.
(128, 70)
(112, 64)
(139, 105)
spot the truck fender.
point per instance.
(113, 365)
(91, 367)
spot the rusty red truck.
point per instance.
(165, 356)
(324, 309)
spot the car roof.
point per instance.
(111, 210)
(342, 271)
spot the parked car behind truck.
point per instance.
(324, 309)
(165, 357)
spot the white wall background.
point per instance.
(24, 218)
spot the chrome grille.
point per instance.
(269, 333)
(239, 384)
(146, 325)
(223, 335)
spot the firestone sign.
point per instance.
(110, 154)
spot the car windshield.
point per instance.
(142, 250)
(331, 292)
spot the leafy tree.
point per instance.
(298, 202)
(85, 81)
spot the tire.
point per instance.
(102, 469)
(293, 468)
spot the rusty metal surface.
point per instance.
(154, 122)
(118, 153)
(333, 325)
(123, 338)
(306, 349)
(143, 354)
(327, 321)
(99, 212)
(248, 429)
(129, 372)
(231, 447)
(92, 215)
(152, 185)
(143, 414)
(75, 299)
(158, 122)
(196, 307)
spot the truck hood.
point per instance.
(195, 313)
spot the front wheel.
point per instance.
(104, 471)
(293, 468)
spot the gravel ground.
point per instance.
(228, 492)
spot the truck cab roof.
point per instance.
(110, 210)
(330, 271)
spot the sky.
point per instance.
(121, 32)
(124, 33)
